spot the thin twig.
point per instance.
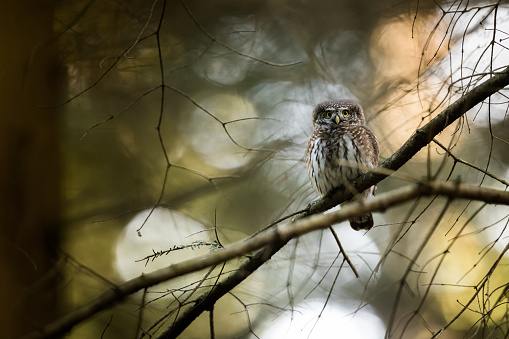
(342, 250)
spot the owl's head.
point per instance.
(337, 113)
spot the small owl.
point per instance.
(340, 150)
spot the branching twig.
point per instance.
(213, 39)
(469, 164)
(194, 245)
(478, 289)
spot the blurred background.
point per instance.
(133, 127)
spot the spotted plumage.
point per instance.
(341, 149)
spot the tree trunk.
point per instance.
(29, 168)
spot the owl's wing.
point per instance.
(370, 143)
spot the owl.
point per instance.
(340, 150)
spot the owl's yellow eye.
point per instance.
(327, 114)
(345, 112)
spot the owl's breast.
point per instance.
(335, 160)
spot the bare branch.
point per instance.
(422, 137)
(469, 164)
(213, 39)
(478, 289)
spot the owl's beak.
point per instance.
(337, 119)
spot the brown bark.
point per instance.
(29, 169)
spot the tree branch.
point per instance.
(421, 138)
(265, 243)
(271, 241)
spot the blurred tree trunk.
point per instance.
(29, 168)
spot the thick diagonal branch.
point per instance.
(421, 138)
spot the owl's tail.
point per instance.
(363, 222)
